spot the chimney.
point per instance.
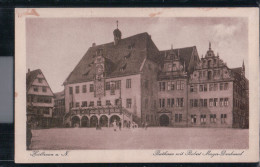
(93, 44)
(29, 70)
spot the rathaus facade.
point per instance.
(130, 81)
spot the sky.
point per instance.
(56, 45)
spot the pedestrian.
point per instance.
(146, 125)
(143, 124)
(28, 136)
(114, 125)
(119, 124)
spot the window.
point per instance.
(226, 102)
(118, 102)
(169, 67)
(215, 102)
(128, 83)
(91, 103)
(71, 105)
(71, 90)
(77, 89)
(77, 104)
(204, 73)
(170, 85)
(108, 103)
(44, 89)
(211, 87)
(46, 111)
(174, 67)
(193, 119)
(213, 118)
(172, 102)
(221, 86)
(99, 103)
(201, 103)
(128, 103)
(162, 103)
(201, 88)
(35, 89)
(118, 84)
(215, 87)
(107, 85)
(210, 102)
(209, 74)
(168, 102)
(225, 86)
(205, 87)
(191, 103)
(84, 104)
(180, 102)
(178, 85)
(205, 102)
(182, 85)
(200, 74)
(195, 102)
(193, 88)
(91, 87)
(178, 117)
(203, 119)
(223, 118)
(84, 88)
(146, 103)
(40, 80)
(162, 86)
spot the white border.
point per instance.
(23, 156)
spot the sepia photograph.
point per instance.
(137, 83)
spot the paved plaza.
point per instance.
(139, 138)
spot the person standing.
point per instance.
(119, 124)
(114, 125)
(146, 125)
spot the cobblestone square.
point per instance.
(139, 138)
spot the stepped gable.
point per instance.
(124, 58)
(184, 53)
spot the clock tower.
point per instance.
(99, 74)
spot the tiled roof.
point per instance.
(184, 53)
(59, 95)
(30, 76)
(128, 54)
(237, 70)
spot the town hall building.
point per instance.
(130, 81)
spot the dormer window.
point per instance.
(40, 80)
(128, 55)
(123, 67)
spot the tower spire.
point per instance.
(117, 24)
(243, 66)
(209, 45)
(171, 47)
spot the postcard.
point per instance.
(136, 85)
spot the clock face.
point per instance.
(100, 69)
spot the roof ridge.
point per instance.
(143, 33)
(178, 48)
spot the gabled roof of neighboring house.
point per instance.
(123, 59)
(184, 53)
(31, 76)
(59, 95)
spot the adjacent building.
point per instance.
(39, 100)
(59, 109)
(130, 80)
